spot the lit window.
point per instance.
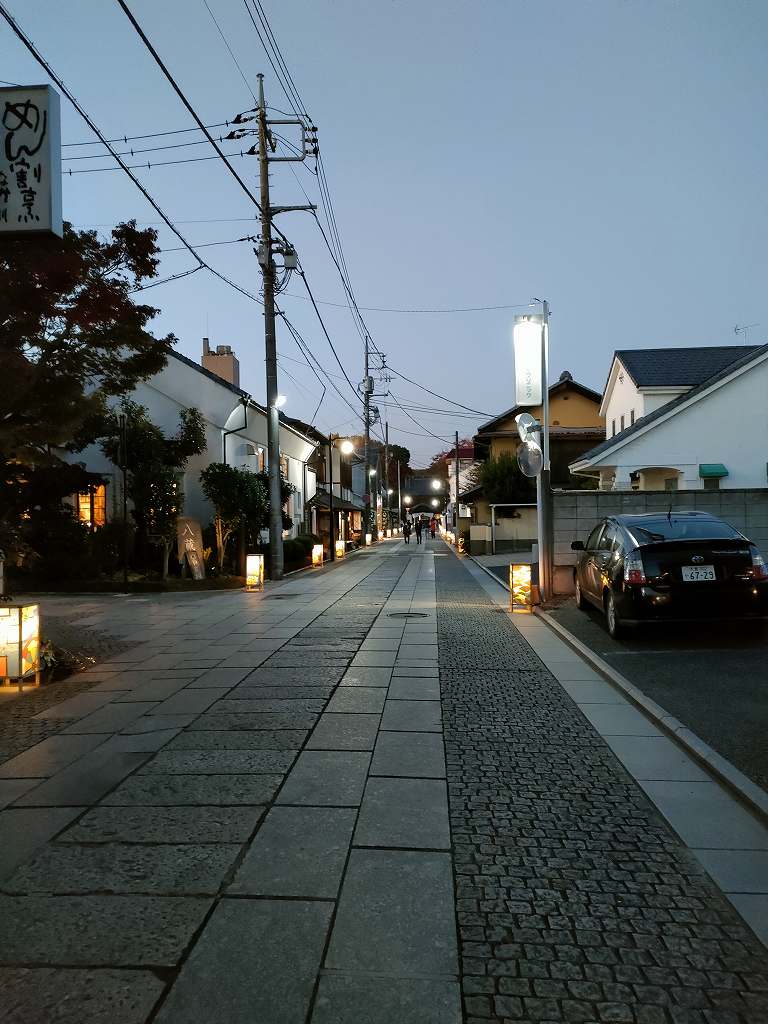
(92, 506)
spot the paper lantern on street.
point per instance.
(520, 587)
(461, 544)
(381, 535)
(19, 643)
(254, 572)
(317, 554)
(340, 548)
(389, 533)
(368, 538)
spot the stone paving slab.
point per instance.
(395, 915)
(299, 852)
(219, 762)
(12, 789)
(413, 689)
(324, 778)
(406, 813)
(410, 755)
(354, 999)
(85, 781)
(224, 722)
(235, 704)
(198, 824)
(49, 756)
(98, 930)
(27, 829)
(165, 869)
(255, 963)
(239, 739)
(412, 716)
(344, 732)
(111, 718)
(358, 700)
(180, 790)
(367, 677)
(34, 995)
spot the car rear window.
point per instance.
(681, 528)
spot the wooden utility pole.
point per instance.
(270, 345)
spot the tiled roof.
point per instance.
(683, 367)
(748, 353)
(565, 383)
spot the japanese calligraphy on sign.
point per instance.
(189, 540)
(30, 161)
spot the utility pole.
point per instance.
(270, 344)
(399, 497)
(456, 503)
(123, 427)
(386, 473)
(367, 389)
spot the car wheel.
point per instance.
(613, 622)
(578, 596)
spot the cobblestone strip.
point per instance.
(575, 902)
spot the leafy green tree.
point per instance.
(154, 463)
(503, 482)
(239, 497)
(71, 334)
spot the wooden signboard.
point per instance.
(190, 543)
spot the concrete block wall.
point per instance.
(576, 513)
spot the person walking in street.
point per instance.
(419, 528)
(432, 527)
(407, 531)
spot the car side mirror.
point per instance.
(577, 545)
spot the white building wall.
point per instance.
(729, 425)
(622, 397)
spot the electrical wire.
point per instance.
(145, 149)
(19, 32)
(203, 245)
(231, 53)
(151, 166)
(414, 420)
(151, 135)
(325, 332)
(450, 401)
(165, 280)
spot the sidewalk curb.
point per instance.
(737, 782)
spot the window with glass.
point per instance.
(92, 506)
(711, 483)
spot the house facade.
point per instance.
(575, 425)
(694, 419)
(235, 432)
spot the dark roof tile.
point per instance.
(679, 367)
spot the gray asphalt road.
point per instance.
(713, 677)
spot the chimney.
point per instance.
(223, 362)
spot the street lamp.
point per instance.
(346, 447)
(407, 499)
(436, 485)
(435, 503)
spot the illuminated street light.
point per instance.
(346, 447)
(371, 472)
(407, 499)
(435, 503)
(436, 485)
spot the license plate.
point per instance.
(698, 573)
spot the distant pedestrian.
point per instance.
(433, 527)
(407, 531)
(419, 528)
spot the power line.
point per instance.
(144, 149)
(414, 420)
(325, 332)
(450, 401)
(19, 32)
(151, 135)
(165, 280)
(150, 166)
(231, 53)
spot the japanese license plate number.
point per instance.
(698, 573)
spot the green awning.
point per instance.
(712, 470)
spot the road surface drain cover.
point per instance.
(406, 615)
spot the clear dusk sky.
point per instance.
(608, 155)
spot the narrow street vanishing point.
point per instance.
(365, 796)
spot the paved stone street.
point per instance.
(358, 798)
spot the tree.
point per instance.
(238, 497)
(70, 335)
(154, 463)
(503, 483)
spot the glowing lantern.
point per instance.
(389, 533)
(317, 555)
(19, 643)
(461, 544)
(254, 572)
(368, 538)
(340, 549)
(520, 587)
(381, 535)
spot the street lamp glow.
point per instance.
(407, 499)
(371, 472)
(390, 490)
(527, 341)
(435, 503)
(346, 447)
(280, 401)
(436, 485)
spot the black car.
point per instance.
(669, 566)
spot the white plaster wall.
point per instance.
(623, 398)
(729, 425)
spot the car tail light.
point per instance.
(759, 568)
(634, 573)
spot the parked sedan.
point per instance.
(680, 565)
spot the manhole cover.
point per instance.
(407, 615)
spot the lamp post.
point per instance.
(346, 448)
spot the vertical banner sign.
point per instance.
(189, 541)
(526, 338)
(30, 161)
